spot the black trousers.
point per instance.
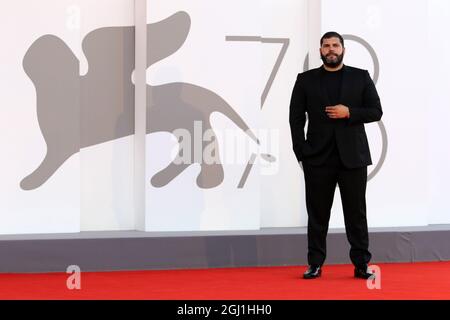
(320, 184)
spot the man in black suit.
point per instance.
(339, 99)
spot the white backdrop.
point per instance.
(106, 168)
(55, 206)
(408, 189)
(93, 189)
(391, 197)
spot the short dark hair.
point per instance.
(331, 34)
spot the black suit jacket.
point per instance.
(309, 96)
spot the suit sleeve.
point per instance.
(297, 117)
(370, 110)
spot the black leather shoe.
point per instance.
(363, 272)
(314, 271)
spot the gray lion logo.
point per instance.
(80, 111)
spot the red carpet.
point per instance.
(398, 281)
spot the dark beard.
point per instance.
(332, 64)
